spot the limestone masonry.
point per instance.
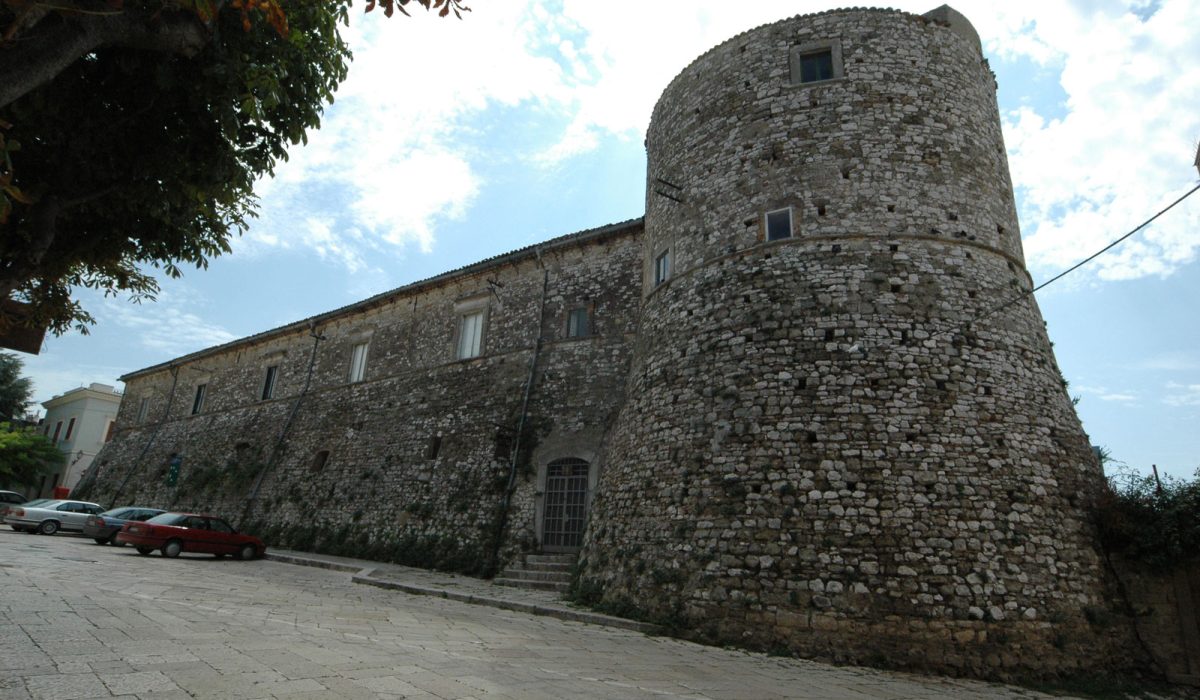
(802, 406)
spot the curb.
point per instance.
(317, 563)
(362, 575)
(584, 616)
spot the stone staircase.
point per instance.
(543, 572)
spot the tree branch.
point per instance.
(32, 59)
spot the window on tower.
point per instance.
(779, 224)
(816, 62)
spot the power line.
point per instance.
(1076, 266)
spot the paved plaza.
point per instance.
(79, 620)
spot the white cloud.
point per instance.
(164, 326)
(1105, 394)
(1182, 394)
(393, 156)
(1125, 145)
(1171, 362)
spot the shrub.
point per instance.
(1157, 524)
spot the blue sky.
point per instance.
(454, 141)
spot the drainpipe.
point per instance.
(287, 424)
(502, 521)
(137, 463)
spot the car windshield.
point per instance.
(117, 513)
(47, 503)
(167, 519)
(36, 502)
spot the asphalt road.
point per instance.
(78, 620)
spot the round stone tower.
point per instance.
(845, 434)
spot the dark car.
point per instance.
(104, 527)
(173, 533)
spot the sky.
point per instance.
(452, 141)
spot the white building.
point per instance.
(79, 422)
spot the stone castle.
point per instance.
(803, 405)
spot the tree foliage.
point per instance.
(132, 132)
(14, 389)
(26, 455)
(1156, 523)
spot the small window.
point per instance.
(435, 447)
(198, 402)
(319, 460)
(57, 430)
(504, 443)
(358, 362)
(662, 267)
(70, 429)
(579, 323)
(470, 335)
(143, 409)
(268, 388)
(779, 224)
(816, 62)
(817, 66)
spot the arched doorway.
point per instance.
(564, 514)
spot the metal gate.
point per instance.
(566, 505)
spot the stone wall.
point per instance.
(412, 463)
(850, 443)
(1166, 606)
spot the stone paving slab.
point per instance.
(464, 589)
(199, 627)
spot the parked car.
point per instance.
(10, 498)
(51, 516)
(173, 533)
(104, 527)
(4, 507)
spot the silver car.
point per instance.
(51, 516)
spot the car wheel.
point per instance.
(48, 527)
(113, 541)
(100, 540)
(172, 549)
(144, 551)
(247, 552)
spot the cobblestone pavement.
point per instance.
(79, 620)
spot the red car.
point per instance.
(173, 533)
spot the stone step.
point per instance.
(556, 586)
(568, 559)
(531, 566)
(526, 575)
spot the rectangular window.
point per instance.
(70, 429)
(816, 62)
(358, 362)
(662, 267)
(198, 402)
(579, 324)
(816, 66)
(268, 388)
(470, 335)
(779, 224)
(108, 431)
(57, 430)
(143, 410)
